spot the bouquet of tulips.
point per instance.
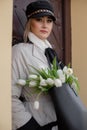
(47, 78)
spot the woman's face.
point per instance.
(41, 27)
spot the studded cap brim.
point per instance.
(41, 13)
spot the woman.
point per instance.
(40, 18)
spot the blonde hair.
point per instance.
(27, 30)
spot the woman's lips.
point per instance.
(43, 31)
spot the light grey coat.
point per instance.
(24, 55)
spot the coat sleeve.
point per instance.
(20, 116)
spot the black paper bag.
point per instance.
(71, 113)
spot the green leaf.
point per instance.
(54, 64)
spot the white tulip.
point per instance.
(62, 78)
(36, 105)
(32, 84)
(59, 72)
(61, 75)
(43, 82)
(68, 71)
(33, 76)
(57, 82)
(21, 82)
(50, 81)
(65, 69)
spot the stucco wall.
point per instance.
(79, 43)
(5, 63)
(79, 54)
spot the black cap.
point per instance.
(40, 8)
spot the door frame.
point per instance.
(66, 9)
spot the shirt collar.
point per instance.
(42, 44)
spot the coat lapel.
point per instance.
(38, 53)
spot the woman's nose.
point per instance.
(44, 23)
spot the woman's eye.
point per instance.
(49, 20)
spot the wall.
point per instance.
(5, 63)
(79, 44)
(79, 53)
